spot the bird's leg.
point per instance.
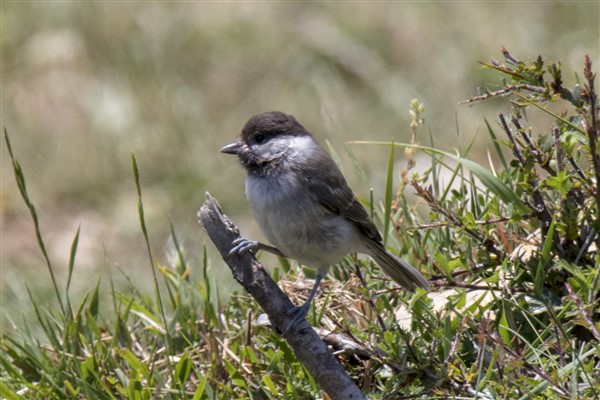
(242, 245)
(300, 312)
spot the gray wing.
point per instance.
(329, 188)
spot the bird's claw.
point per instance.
(298, 313)
(241, 245)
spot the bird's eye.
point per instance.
(259, 138)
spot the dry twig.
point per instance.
(310, 350)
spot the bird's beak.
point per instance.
(232, 148)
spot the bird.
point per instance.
(304, 206)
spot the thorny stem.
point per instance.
(509, 57)
(558, 149)
(508, 90)
(539, 206)
(592, 126)
(516, 150)
(535, 151)
(491, 221)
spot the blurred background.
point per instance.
(85, 85)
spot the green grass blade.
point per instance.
(6, 393)
(181, 263)
(72, 254)
(142, 220)
(205, 291)
(496, 144)
(199, 393)
(46, 325)
(334, 154)
(183, 369)
(545, 258)
(361, 172)
(20, 178)
(158, 295)
(95, 301)
(434, 170)
(389, 189)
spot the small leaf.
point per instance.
(561, 182)
(269, 384)
(504, 328)
(183, 369)
(95, 301)
(200, 389)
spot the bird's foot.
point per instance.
(242, 245)
(298, 313)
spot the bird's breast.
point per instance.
(298, 225)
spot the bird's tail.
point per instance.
(396, 268)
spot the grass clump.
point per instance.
(511, 250)
(177, 343)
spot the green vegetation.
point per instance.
(512, 251)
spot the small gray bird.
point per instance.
(304, 206)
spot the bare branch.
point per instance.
(310, 350)
(505, 91)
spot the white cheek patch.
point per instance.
(293, 148)
(301, 142)
(300, 147)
